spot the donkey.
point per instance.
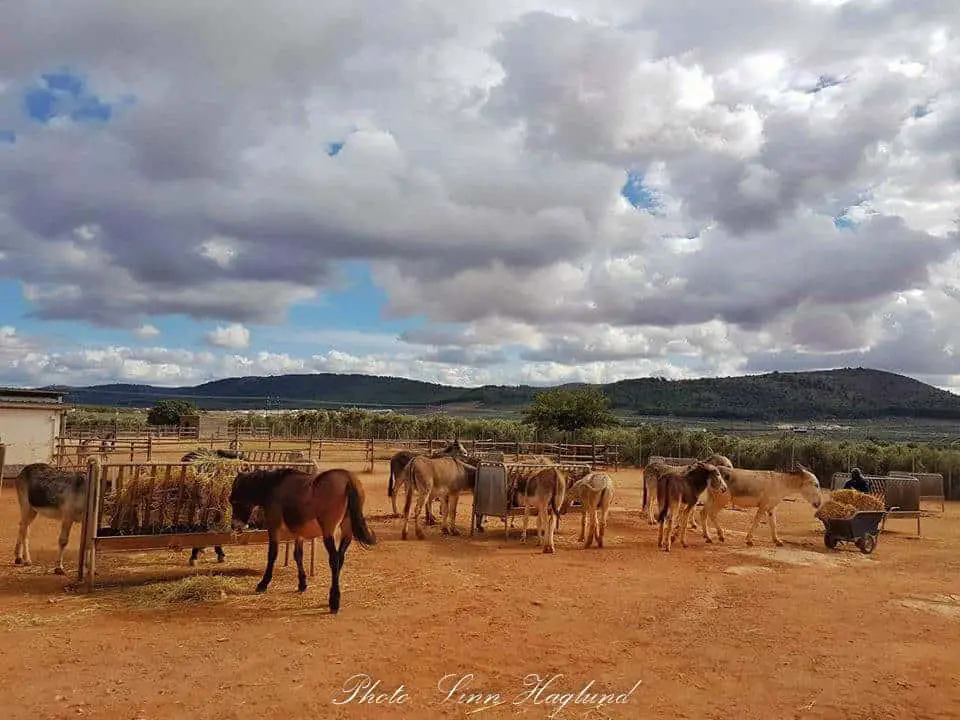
(308, 506)
(43, 489)
(402, 458)
(430, 477)
(651, 474)
(543, 491)
(193, 456)
(677, 493)
(764, 489)
(595, 491)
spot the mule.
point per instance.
(193, 456)
(43, 489)
(595, 491)
(430, 477)
(307, 506)
(677, 494)
(764, 489)
(544, 492)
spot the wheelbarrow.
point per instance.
(862, 529)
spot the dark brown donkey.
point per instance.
(678, 490)
(308, 506)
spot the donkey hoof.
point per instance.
(548, 550)
(455, 531)
(261, 587)
(221, 558)
(18, 561)
(420, 535)
(708, 541)
(721, 538)
(302, 588)
(749, 542)
(444, 531)
(779, 543)
(191, 562)
(59, 571)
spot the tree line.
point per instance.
(583, 416)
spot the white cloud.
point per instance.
(146, 331)
(234, 336)
(483, 154)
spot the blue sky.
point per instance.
(355, 308)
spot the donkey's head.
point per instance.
(715, 479)
(807, 485)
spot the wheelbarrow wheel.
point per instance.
(829, 540)
(867, 543)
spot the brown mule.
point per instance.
(308, 506)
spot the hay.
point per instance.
(859, 500)
(190, 590)
(154, 504)
(834, 510)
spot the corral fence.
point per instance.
(170, 505)
(73, 452)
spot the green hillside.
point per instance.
(829, 394)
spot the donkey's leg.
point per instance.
(422, 497)
(66, 524)
(651, 496)
(772, 515)
(333, 557)
(298, 557)
(407, 503)
(221, 555)
(273, 549)
(22, 552)
(550, 521)
(753, 525)
(671, 523)
(452, 501)
(194, 554)
(583, 519)
(587, 535)
(602, 519)
(526, 510)
(685, 514)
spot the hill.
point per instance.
(828, 394)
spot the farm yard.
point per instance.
(710, 631)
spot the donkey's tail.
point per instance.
(358, 523)
(555, 502)
(390, 482)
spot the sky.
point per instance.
(517, 192)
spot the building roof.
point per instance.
(28, 394)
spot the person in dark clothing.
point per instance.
(856, 482)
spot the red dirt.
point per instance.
(706, 633)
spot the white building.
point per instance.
(30, 422)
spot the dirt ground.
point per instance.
(713, 631)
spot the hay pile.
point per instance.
(193, 589)
(833, 510)
(859, 500)
(155, 504)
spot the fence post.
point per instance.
(319, 449)
(149, 448)
(593, 455)
(3, 459)
(370, 452)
